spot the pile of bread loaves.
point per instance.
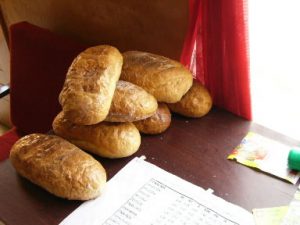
(108, 98)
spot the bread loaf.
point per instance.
(90, 84)
(196, 103)
(156, 123)
(111, 140)
(167, 80)
(58, 166)
(131, 103)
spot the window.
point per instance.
(274, 37)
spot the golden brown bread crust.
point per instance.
(130, 103)
(157, 123)
(58, 166)
(195, 103)
(90, 84)
(111, 140)
(167, 80)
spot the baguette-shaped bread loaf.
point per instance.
(58, 166)
(156, 123)
(131, 103)
(90, 84)
(167, 80)
(111, 140)
(197, 102)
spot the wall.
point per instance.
(4, 78)
(157, 26)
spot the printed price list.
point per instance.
(165, 206)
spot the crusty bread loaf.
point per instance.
(195, 103)
(167, 80)
(58, 166)
(130, 103)
(111, 140)
(156, 123)
(90, 84)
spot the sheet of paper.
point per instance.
(143, 194)
(292, 216)
(269, 216)
(265, 154)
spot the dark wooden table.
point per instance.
(193, 149)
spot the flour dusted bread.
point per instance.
(58, 166)
(111, 140)
(90, 84)
(156, 123)
(195, 103)
(131, 103)
(167, 80)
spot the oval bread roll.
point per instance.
(111, 140)
(196, 103)
(58, 166)
(167, 80)
(130, 103)
(156, 123)
(90, 84)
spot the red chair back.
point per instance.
(39, 62)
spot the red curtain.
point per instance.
(216, 51)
